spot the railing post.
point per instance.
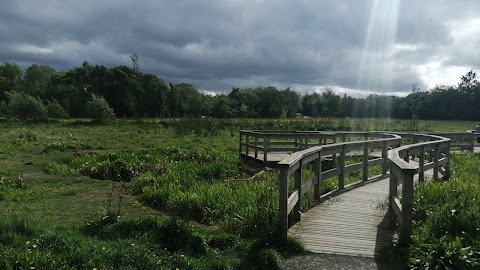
(265, 149)
(246, 144)
(392, 194)
(317, 192)
(447, 153)
(407, 207)
(256, 147)
(436, 157)
(472, 142)
(341, 166)
(384, 156)
(283, 201)
(421, 164)
(365, 162)
(240, 143)
(298, 187)
(407, 157)
(334, 140)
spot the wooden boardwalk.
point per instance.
(352, 223)
(354, 220)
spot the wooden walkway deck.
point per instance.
(352, 223)
(273, 157)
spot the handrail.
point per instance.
(432, 152)
(263, 142)
(293, 165)
(402, 172)
(463, 140)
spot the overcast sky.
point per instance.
(352, 46)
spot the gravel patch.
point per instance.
(338, 262)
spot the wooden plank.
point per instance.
(309, 184)
(353, 167)
(330, 173)
(376, 161)
(397, 208)
(292, 200)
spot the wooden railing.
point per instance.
(461, 140)
(264, 142)
(290, 201)
(429, 152)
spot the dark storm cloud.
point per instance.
(217, 45)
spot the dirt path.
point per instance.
(338, 262)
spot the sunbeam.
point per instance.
(375, 71)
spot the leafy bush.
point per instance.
(99, 110)
(55, 110)
(4, 108)
(24, 106)
(13, 184)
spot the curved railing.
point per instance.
(429, 152)
(290, 201)
(407, 154)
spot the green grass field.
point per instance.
(158, 194)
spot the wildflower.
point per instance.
(34, 246)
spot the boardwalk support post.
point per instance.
(265, 150)
(256, 147)
(341, 166)
(436, 157)
(407, 208)
(384, 157)
(240, 143)
(283, 213)
(318, 172)
(246, 144)
(365, 163)
(421, 164)
(392, 194)
(298, 187)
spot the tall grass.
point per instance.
(189, 169)
(446, 231)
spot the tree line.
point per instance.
(129, 92)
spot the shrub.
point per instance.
(24, 106)
(99, 110)
(3, 108)
(55, 110)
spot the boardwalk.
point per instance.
(351, 223)
(354, 221)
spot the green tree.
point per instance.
(37, 78)
(11, 76)
(25, 106)
(99, 110)
(55, 110)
